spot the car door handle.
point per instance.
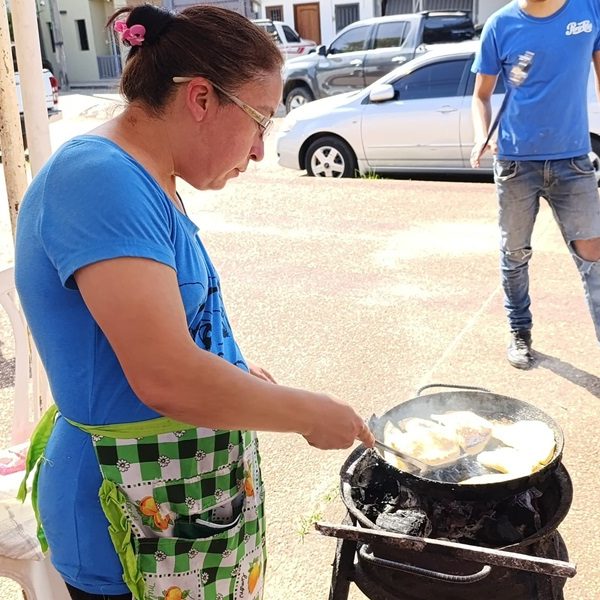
(447, 109)
(399, 59)
(356, 62)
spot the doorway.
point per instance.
(307, 21)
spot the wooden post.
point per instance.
(11, 139)
(29, 59)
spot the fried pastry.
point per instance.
(471, 431)
(532, 437)
(488, 478)
(432, 444)
(508, 460)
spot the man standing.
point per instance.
(543, 144)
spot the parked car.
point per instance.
(51, 98)
(415, 119)
(366, 50)
(50, 91)
(288, 40)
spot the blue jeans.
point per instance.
(570, 187)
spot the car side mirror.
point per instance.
(382, 93)
(322, 50)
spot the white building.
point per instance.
(320, 21)
(91, 50)
(93, 54)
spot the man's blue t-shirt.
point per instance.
(92, 202)
(546, 117)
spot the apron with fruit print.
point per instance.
(184, 506)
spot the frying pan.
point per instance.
(487, 405)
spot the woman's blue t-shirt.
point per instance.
(91, 202)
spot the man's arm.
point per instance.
(481, 110)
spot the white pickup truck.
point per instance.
(287, 39)
(51, 97)
(50, 92)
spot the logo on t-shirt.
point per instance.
(574, 28)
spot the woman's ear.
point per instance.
(199, 96)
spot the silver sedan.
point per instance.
(415, 119)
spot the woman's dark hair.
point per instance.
(219, 44)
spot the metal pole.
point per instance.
(29, 59)
(59, 44)
(11, 139)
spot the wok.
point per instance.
(488, 405)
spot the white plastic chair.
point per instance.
(21, 557)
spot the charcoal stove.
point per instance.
(390, 566)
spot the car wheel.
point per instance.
(595, 157)
(298, 96)
(330, 157)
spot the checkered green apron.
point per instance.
(184, 506)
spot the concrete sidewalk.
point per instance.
(371, 289)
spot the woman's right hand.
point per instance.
(335, 424)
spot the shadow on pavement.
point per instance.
(459, 177)
(583, 379)
(454, 177)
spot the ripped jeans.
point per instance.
(569, 185)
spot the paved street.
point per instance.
(369, 289)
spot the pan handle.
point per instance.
(368, 556)
(448, 385)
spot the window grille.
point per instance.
(275, 13)
(346, 14)
(398, 7)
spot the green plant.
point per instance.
(308, 521)
(370, 174)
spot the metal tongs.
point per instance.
(419, 466)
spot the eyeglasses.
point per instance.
(265, 123)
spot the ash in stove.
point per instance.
(381, 497)
(412, 521)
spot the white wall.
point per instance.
(367, 9)
(81, 64)
(327, 13)
(487, 8)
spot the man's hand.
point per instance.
(479, 150)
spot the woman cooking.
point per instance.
(150, 486)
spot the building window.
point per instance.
(275, 13)
(345, 14)
(399, 7)
(51, 33)
(83, 37)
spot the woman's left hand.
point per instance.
(260, 372)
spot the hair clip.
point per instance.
(134, 35)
